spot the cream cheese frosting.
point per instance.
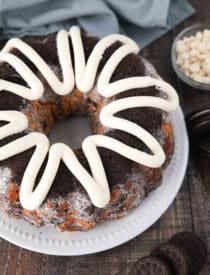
(84, 78)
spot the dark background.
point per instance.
(189, 212)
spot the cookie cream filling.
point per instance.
(83, 77)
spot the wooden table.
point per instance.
(189, 212)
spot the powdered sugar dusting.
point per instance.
(149, 68)
(80, 201)
(5, 177)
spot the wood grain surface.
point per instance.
(189, 212)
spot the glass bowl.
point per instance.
(192, 30)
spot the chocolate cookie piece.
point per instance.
(175, 256)
(151, 266)
(195, 248)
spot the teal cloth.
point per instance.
(142, 20)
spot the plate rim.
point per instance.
(91, 249)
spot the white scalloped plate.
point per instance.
(112, 233)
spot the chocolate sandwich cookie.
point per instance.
(199, 123)
(203, 143)
(198, 115)
(151, 266)
(199, 129)
(195, 248)
(175, 256)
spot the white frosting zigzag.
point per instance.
(83, 77)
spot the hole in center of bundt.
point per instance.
(70, 131)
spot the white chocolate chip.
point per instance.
(193, 56)
(179, 61)
(201, 56)
(180, 48)
(197, 77)
(206, 67)
(198, 35)
(194, 67)
(201, 47)
(186, 65)
(193, 59)
(206, 79)
(193, 52)
(185, 55)
(206, 33)
(208, 45)
(187, 73)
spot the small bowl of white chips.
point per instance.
(191, 56)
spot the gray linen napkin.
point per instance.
(142, 20)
